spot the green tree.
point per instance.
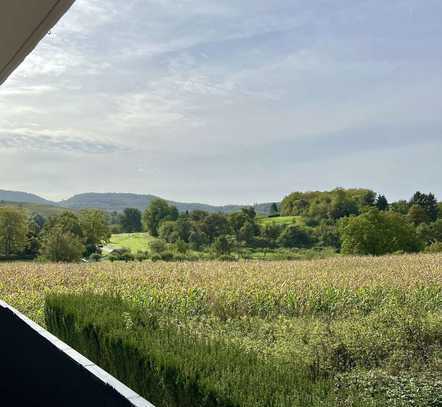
(400, 207)
(418, 215)
(377, 233)
(430, 232)
(342, 205)
(158, 210)
(274, 211)
(36, 224)
(157, 246)
(131, 220)
(13, 231)
(67, 221)
(295, 236)
(271, 233)
(215, 225)
(327, 235)
(381, 203)
(223, 245)
(248, 232)
(59, 245)
(94, 225)
(428, 203)
(198, 240)
(169, 232)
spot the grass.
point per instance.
(358, 325)
(280, 220)
(133, 241)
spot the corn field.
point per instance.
(362, 323)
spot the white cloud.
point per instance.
(203, 88)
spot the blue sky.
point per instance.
(226, 101)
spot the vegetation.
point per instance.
(349, 330)
(13, 231)
(131, 221)
(314, 224)
(134, 242)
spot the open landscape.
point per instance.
(220, 203)
(335, 297)
(340, 331)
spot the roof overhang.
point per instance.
(23, 23)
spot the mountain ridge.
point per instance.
(118, 201)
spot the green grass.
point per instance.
(280, 220)
(135, 242)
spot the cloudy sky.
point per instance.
(225, 101)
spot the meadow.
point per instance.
(340, 331)
(135, 242)
(280, 220)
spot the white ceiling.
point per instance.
(23, 23)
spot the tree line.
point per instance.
(350, 221)
(63, 238)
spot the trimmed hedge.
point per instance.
(166, 364)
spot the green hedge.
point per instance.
(169, 366)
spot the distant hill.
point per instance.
(25, 197)
(119, 201)
(113, 202)
(32, 208)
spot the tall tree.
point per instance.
(377, 233)
(274, 209)
(295, 236)
(13, 231)
(59, 245)
(36, 224)
(131, 220)
(428, 203)
(158, 210)
(67, 221)
(381, 203)
(94, 226)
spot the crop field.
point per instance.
(338, 331)
(133, 241)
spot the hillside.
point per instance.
(119, 201)
(31, 208)
(116, 202)
(25, 197)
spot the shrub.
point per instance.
(61, 246)
(295, 236)
(170, 365)
(376, 232)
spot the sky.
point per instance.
(227, 101)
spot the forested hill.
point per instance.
(119, 201)
(23, 197)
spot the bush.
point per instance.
(171, 366)
(376, 233)
(61, 246)
(122, 254)
(295, 236)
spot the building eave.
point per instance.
(23, 23)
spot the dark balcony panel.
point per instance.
(37, 369)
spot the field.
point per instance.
(280, 220)
(358, 330)
(133, 241)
